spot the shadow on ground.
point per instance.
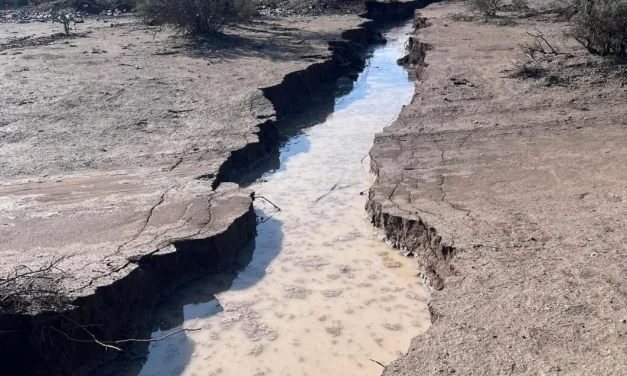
(261, 39)
(196, 300)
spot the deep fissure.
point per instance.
(160, 273)
(239, 305)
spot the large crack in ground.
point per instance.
(145, 269)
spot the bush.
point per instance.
(565, 9)
(520, 5)
(65, 17)
(601, 27)
(196, 16)
(487, 8)
(527, 70)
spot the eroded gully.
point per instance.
(317, 292)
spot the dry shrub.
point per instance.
(196, 16)
(487, 8)
(65, 17)
(520, 5)
(601, 27)
(25, 289)
(537, 44)
(565, 9)
(538, 55)
(527, 70)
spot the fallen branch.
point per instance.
(540, 36)
(179, 111)
(85, 340)
(160, 338)
(536, 45)
(379, 363)
(326, 193)
(270, 202)
(264, 220)
(111, 344)
(130, 65)
(337, 186)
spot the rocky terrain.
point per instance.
(509, 189)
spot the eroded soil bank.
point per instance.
(114, 151)
(317, 292)
(510, 192)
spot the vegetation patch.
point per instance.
(601, 27)
(196, 17)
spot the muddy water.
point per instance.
(317, 292)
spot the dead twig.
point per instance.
(179, 111)
(160, 338)
(261, 220)
(94, 340)
(537, 46)
(540, 36)
(378, 362)
(130, 65)
(335, 187)
(111, 344)
(270, 202)
(326, 193)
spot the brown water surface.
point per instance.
(317, 292)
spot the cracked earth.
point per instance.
(100, 156)
(511, 195)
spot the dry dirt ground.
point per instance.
(526, 180)
(103, 135)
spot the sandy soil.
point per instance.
(525, 180)
(104, 134)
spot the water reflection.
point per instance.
(292, 140)
(197, 300)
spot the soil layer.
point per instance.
(510, 192)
